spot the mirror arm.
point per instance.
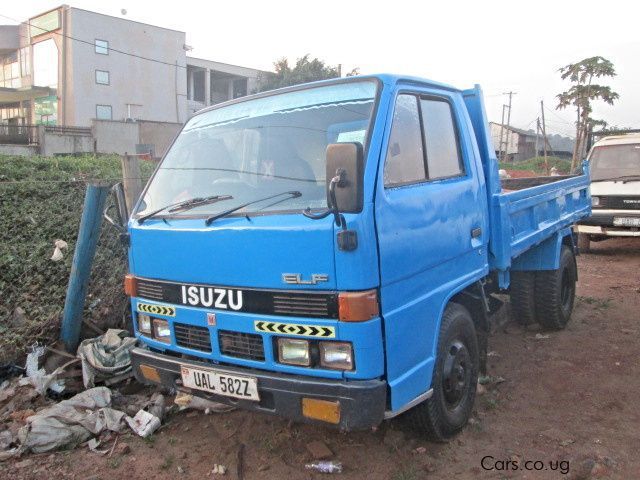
(116, 224)
(338, 181)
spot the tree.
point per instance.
(582, 93)
(305, 70)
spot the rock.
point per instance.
(540, 336)
(123, 449)
(481, 389)
(24, 464)
(21, 415)
(263, 467)
(180, 469)
(583, 470)
(19, 318)
(420, 450)
(394, 439)
(319, 450)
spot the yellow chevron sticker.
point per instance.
(295, 329)
(157, 309)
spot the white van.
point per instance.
(615, 190)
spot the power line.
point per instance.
(122, 52)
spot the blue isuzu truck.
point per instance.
(331, 252)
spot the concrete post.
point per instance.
(131, 180)
(207, 87)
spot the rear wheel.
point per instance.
(584, 242)
(454, 380)
(522, 295)
(555, 292)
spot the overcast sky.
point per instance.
(502, 45)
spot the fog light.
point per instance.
(294, 351)
(144, 324)
(161, 330)
(336, 355)
(595, 201)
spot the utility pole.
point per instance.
(544, 134)
(507, 108)
(538, 128)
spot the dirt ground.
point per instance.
(566, 400)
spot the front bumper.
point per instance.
(362, 402)
(601, 223)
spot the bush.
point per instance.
(41, 200)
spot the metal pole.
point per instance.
(88, 235)
(508, 138)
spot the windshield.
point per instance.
(613, 161)
(261, 147)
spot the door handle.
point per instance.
(476, 232)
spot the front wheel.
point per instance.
(454, 380)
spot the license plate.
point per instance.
(220, 383)
(626, 222)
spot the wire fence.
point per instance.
(33, 216)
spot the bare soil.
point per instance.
(570, 396)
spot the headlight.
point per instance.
(161, 331)
(336, 355)
(294, 351)
(595, 201)
(144, 323)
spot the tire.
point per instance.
(448, 410)
(584, 243)
(522, 295)
(555, 292)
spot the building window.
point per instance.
(103, 112)
(102, 77)
(102, 47)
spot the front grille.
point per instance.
(190, 336)
(152, 290)
(302, 305)
(241, 345)
(619, 202)
(265, 302)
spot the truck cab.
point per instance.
(328, 253)
(615, 189)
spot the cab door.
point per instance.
(431, 221)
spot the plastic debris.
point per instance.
(325, 466)
(186, 400)
(60, 245)
(143, 423)
(38, 377)
(71, 421)
(218, 470)
(106, 358)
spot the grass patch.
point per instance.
(599, 303)
(536, 164)
(407, 473)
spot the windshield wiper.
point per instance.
(614, 179)
(185, 205)
(213, 218)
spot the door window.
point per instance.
(441, 140)
(405, 157)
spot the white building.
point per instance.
(68, 66)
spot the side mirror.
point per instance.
(120, 205)
(346, 162)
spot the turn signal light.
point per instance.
(358, 306)
(130, 285)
